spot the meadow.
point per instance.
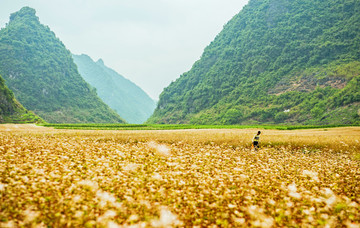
(179, 178)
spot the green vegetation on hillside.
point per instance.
(11, 111)
(122, 95)
(277, 61)
(41, 73)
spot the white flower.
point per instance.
(157, 176)
(131, 167)
(109, 214)
(312, 175)
(271, 202)
(93, 186)
(167, 219)
(78, 214)
(295, 195)
(328, 192)
(112, 224)
(106, 197)
(160, 149)
(9, 224)
(293, 191)
(292, 188)
(331, 201)
(133, 218)
(30, 215)
(76, 198)
(106, 217)
(352, 225)
(2, 187)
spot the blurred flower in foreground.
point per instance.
(312, 175)
(167, 219)
(160, 149)
(293, 191)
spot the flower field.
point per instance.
(179, 178)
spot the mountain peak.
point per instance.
(274, 62)
(122, 95)
(100, 61)
(43, 76)
(25, 12)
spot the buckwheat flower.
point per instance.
(312, 175)
(289, 204)
(131, 167)
(76, 198)
(243, 176)
(295, 195)
(240, 221)
(167, 219)
(352, 225)
(25, 179)
(331, 200)
(252, 191)
(157, 176)
(93, 186)
(118, 205)
(9, 224)
(105, 197)
(271, 202)
(267, 222)
(107, 216)
(39, 171)
(353, 204)
(2, 187)
(120, 153)
(292, 188)
(306, 212)
(133, 218)
(328, 192)
(160, 149)
(78, 214)
(293, 191)
(30, 215)
(145, 203)
(238, 169)
(254, 211)
(112, 224)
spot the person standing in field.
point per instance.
(256, 139)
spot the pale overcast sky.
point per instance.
(150, 42)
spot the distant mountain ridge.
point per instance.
(277, 61)
(122, 95)
(41, 73)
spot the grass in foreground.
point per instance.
(179, 178)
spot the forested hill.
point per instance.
(43, 76)
(11, 111)
(122, 95)
(277, 61)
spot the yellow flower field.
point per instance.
(179, 178)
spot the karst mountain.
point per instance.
(276, 61)
(41, 73)
(122, 95)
